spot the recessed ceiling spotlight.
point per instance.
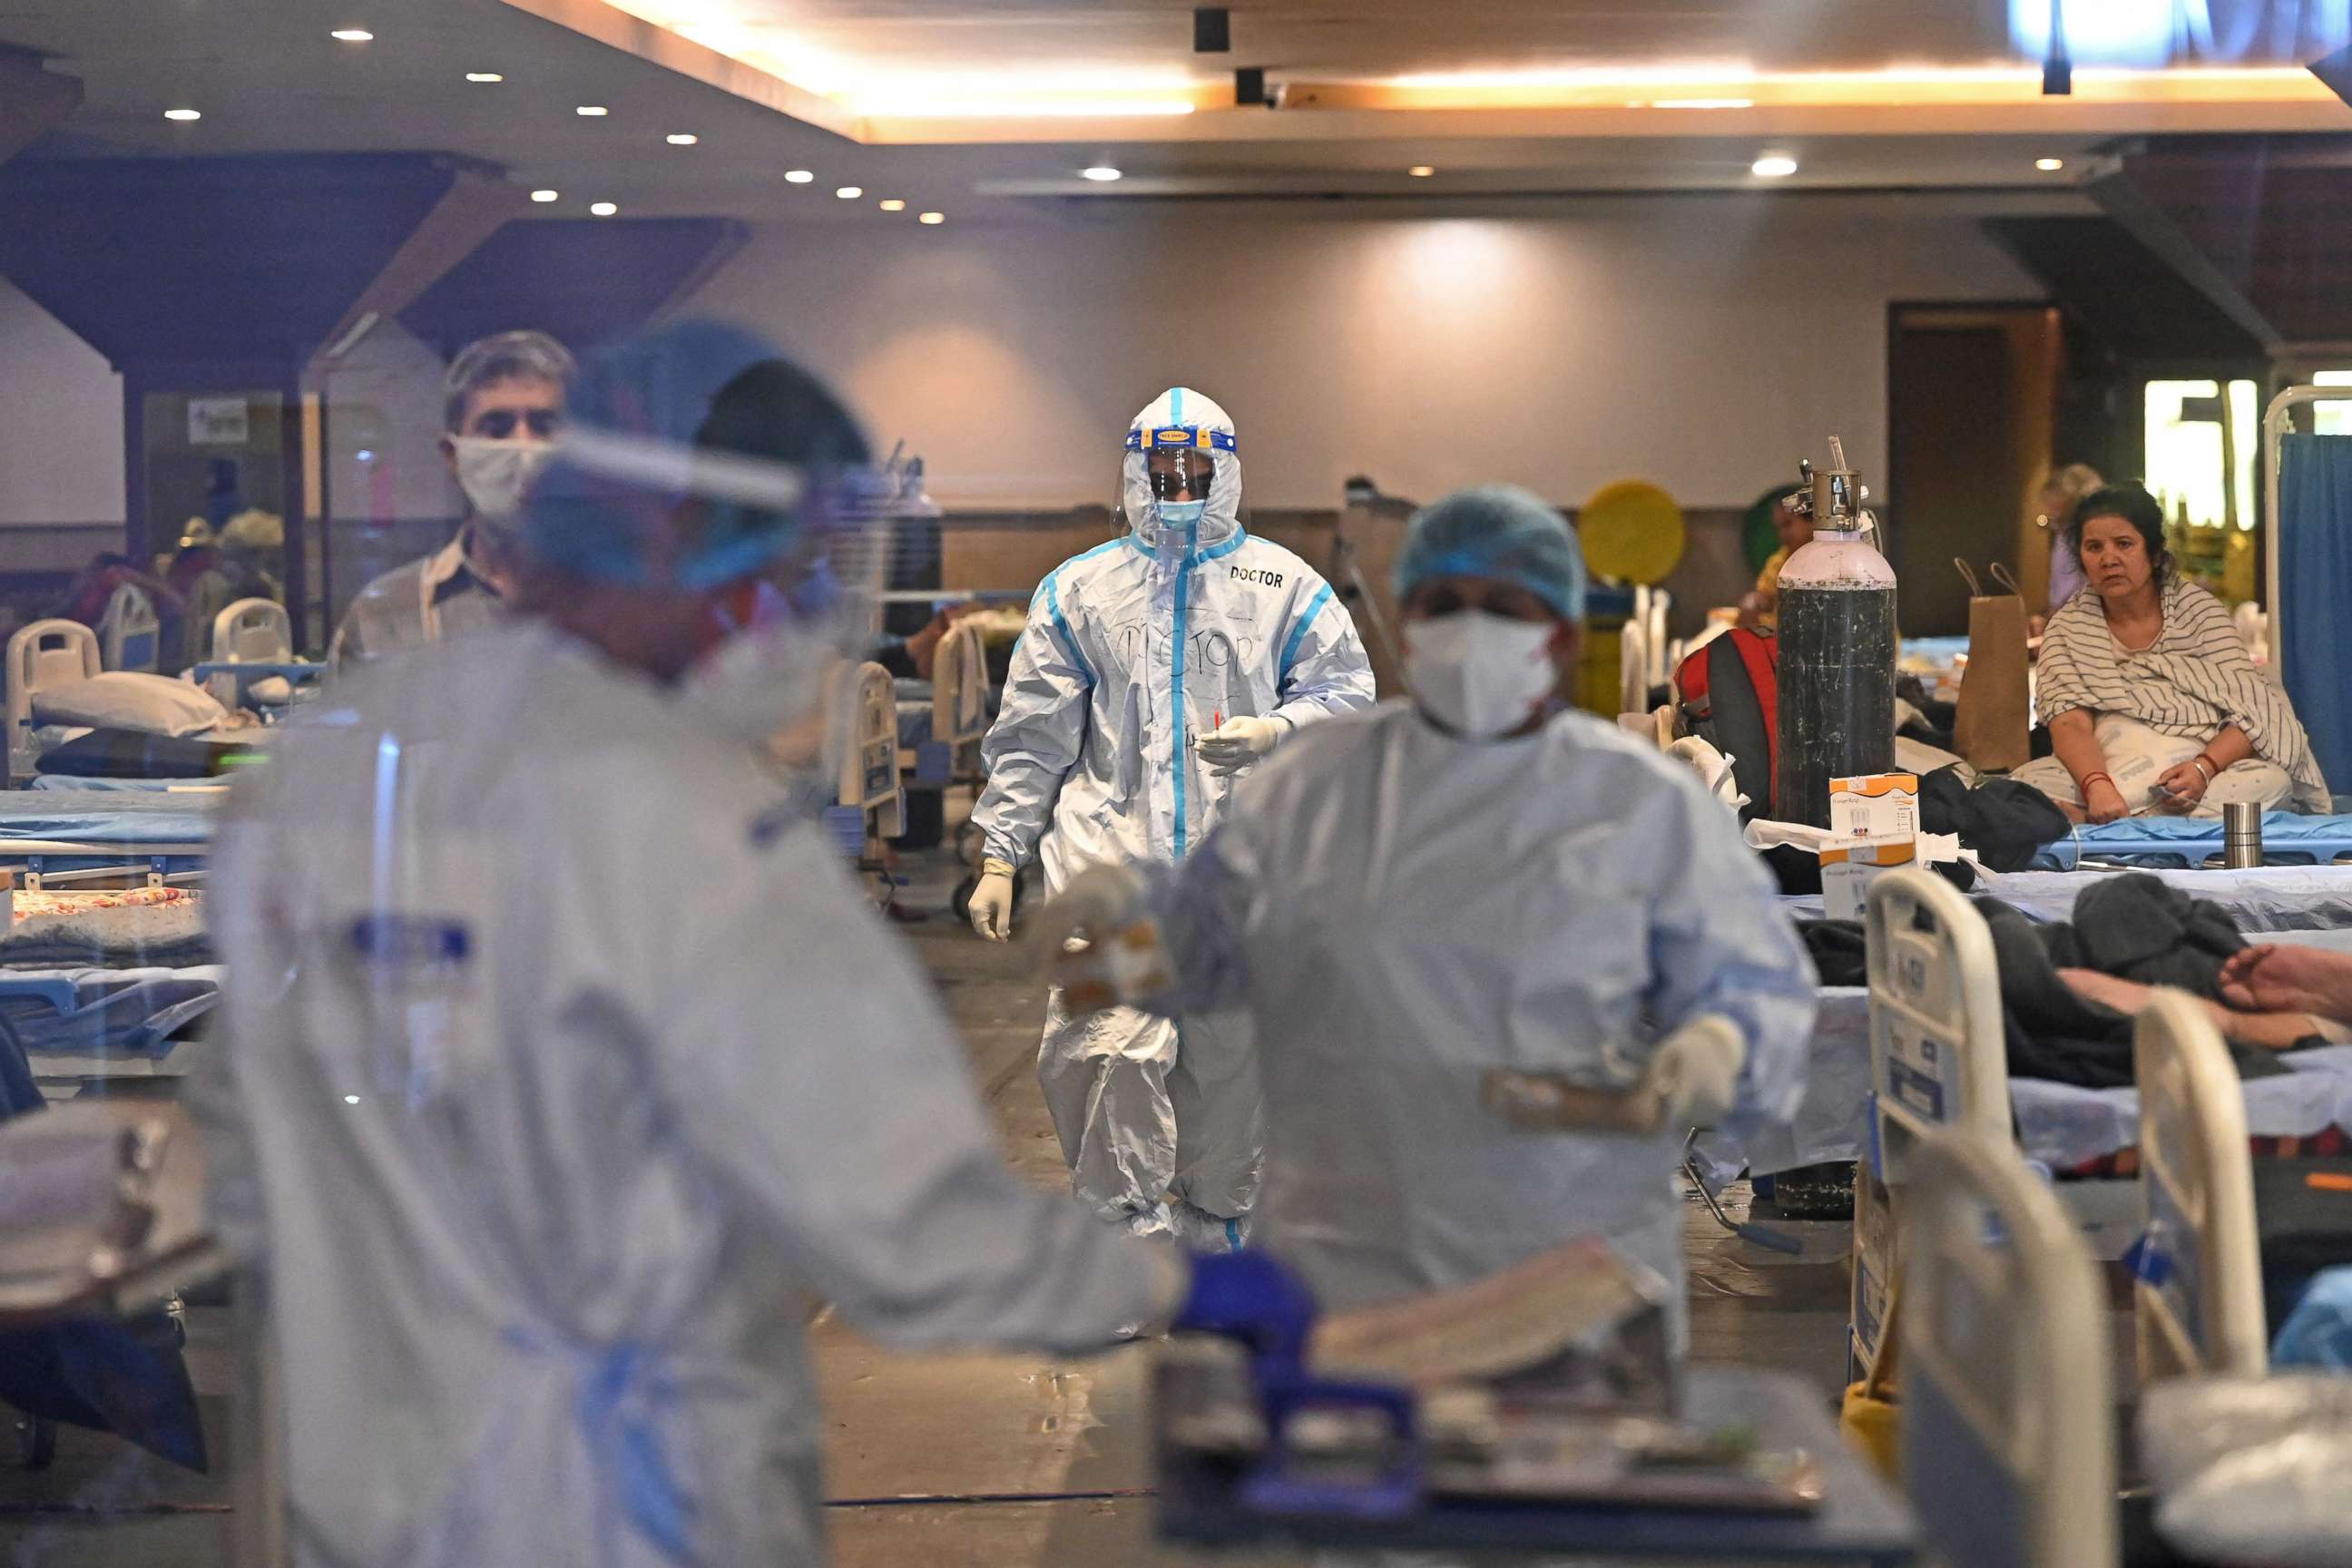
(2050, 165)
(484, 76)
(1421, 171)
(681, 139)
(352, 35)
(893, 205)
(850, 192)
(593, 110)
(545, 196)
(1102, 173)
(182, 114)
(602, 209)
(1773, 167)
(932, 218)
(798, 176)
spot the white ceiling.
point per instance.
(267, 78)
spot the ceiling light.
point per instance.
(798, 176)
(1773, 167)
(1421, 171)
(352, 35)
(2050, 165)
(894, 205)
(544, 195)
(182, 114)
(593, 110)
(1101, 172)
(681, 139)
(928, 108)
(850, 192)
(1703, 103)
(932, 218)
(602, 209)
(484, 76)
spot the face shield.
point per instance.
(1179, 484)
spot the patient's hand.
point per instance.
(2272, 1029)
(2283, 977)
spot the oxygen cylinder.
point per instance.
(1837, 649)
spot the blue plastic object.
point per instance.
(2315, 576)
(2318, 1332)
(1249, 1297)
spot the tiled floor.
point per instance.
(935, 1462)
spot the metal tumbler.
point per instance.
(2242, 835)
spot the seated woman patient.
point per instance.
(2152, 701)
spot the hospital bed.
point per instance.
(252, 645)
(2198, 1300)
(43, 655)
(2154, 842)
(2008, 1448)
(942, 721)
(130, 632)
(861, 733)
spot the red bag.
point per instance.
(1730, 693)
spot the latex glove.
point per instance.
(1249, 1297)
(1237, 743)
(992, 901)
(1696, 1072)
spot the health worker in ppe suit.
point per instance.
(503, 404)
(1470, 881)
(1154, 671)
(567, 1062)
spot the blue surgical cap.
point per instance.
(1499, 531)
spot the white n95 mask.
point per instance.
(497, 475)
(1479, 675)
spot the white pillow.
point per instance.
(130, 699)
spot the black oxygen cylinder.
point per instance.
(1836, 671)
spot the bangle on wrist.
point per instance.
(2089, 779)
(2212, 769)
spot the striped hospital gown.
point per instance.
(2195, 679)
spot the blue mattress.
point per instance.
(2272, 899)
(108, 817)
(2061, 1125)
(192, 789)
(106, 1013)
(2289, 839)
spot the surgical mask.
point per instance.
(497, 475)
(1175, 514)
(1480, 676)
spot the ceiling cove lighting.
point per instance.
(1773, 167)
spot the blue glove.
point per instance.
(1249, 1297)
(2318, 1332)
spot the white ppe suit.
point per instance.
(1402, 911)
(1133, 650)
(563, 1060)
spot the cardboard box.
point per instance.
(1875, 805)
(1849, 865)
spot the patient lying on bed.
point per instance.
(2276, 1026)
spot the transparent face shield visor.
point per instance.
(1169, 483)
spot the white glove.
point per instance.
(1696, 1072)
(1237, 743)
(992, 901)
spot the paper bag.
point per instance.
(1990, 729)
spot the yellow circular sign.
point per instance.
(1631, 531)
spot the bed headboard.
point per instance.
(130, 634)
(960, 686)
(2198, 1300)
(865, 736)
(1937, 1057)
(41, 656)
(253, 631)
(2008, 1424)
